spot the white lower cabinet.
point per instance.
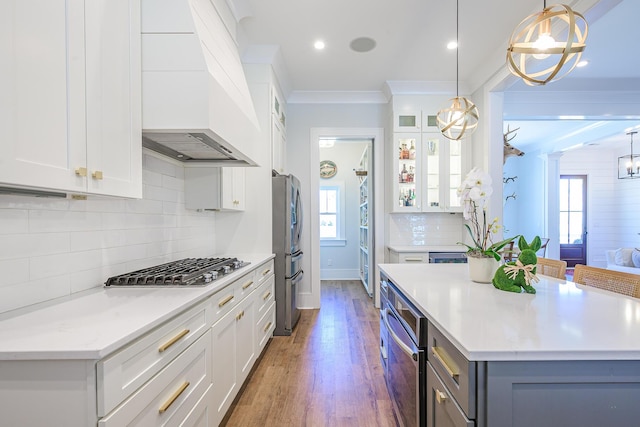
(170, 396)
(185, 372)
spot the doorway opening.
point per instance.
(344, 214)
(573, 219)
(350, 213)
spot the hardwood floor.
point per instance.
(327, 373)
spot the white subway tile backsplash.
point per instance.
(56, 221)
(52, 248)
(425, 229)
(33, 292)
(36, 244)
(14, 221)
(13, 271)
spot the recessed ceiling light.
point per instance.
(452, 45)
(362, 44)
(319, 45)
(582, 63)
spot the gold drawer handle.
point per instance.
(240, 315)
(224, 302)
(246, 285)
(173, 340)
(266, 328)
(97, 175)
(444, 359)
(267, 271)
(173, 397)
(440, 396)
(81, 171)
(414, 259)
(266, 296)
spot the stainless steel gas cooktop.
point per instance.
(184, 272)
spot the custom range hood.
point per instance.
(196, 104)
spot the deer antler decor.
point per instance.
(509, 150)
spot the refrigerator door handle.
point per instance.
(296, 277)
(295, 256)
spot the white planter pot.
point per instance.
(481, 270)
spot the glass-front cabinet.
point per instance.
(406, 172)
(428, 168)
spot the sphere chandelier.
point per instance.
(533, 53)
(460, 119)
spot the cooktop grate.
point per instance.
(184, 272)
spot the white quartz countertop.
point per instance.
(92, 324)
(562, 321)
(427, 248)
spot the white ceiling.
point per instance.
(411, 38)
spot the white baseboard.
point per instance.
(340, 274)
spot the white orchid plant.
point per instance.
(474, 193)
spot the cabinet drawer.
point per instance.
(263, 272)
(225, 299)
(245, 285)
(456, 372)
(413, 257)
(442, 409)
(265, 327)
(265, 295)
(122, 373)
(171, 395)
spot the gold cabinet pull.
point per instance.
(225, 301)
(173, 397)
(240, 315)
(440, 396)
(267, 271)
(97, 175)
(246, 285)
(173, 340)
(266, 296)
(444, 359)
(81, 171)
(266, 328)
(413, 259)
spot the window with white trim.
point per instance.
(329, 212)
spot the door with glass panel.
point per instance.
(573, 219)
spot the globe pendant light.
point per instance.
(535, 56)
(460, 119)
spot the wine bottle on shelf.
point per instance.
(412, 151)
(404, 173)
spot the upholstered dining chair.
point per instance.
(610, 280)
(552, 267)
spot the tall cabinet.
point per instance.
(427, 168)
(70, 105)
(366, 237)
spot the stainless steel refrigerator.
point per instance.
(287, 233)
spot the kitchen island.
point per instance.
(567, 355)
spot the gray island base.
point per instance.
(566, 356)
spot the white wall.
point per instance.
(52, 248)
(525, 215)
(613, 219)
(344, 260)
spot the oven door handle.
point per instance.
(405, 348)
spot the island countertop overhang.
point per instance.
(562, 321)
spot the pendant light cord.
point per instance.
(457, 45)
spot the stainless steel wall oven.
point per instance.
(403, 339)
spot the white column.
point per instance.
(552, 210)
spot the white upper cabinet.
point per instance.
(214, 188)
(114, 148)
(278, 133)
(70, 108)
(407, 120)
(42, 107)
